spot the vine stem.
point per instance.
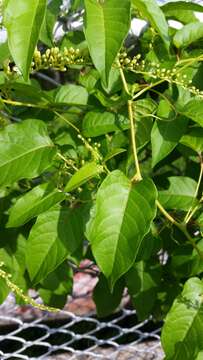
(181, 226)
(67, 121)
(137, 176)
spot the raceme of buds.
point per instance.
(155, 71)
(56, 59)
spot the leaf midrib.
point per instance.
(24, 154)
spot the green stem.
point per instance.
(148, 88)
(67, 121)
(182, 227)
(137, 176)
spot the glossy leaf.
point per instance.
(33, 203)
(113, 153)
(180, 194)
(121, 218)
(194, 139)
(106, 26)
(59, 281)
(182, 5)
(188, 34)
(56, 234)
(142, 282)
(25, 151)
(23, 26)
(72, 94)
(152, 12)
(165, 136)
(182, 334)
(85, 173)
(105, 300)
(194, 110)
(99, 123)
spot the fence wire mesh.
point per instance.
(76, 332)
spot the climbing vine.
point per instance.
(101, 146)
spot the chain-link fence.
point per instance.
(76, 332)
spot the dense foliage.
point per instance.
(101, 146)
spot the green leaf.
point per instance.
(152, 12)
(25, 151)
(121, 218)
(46, 33)
(165, 136)
(33, 203)
(23, 22)
(182, 334)
(144, 108)
(72, 94)
(106, 26)
(188, 34)
(180, 195)
(184, 16)
(142, 283)
(99, 123)
(182, 5)
(60, 281)
(56, 234)
(143, 131)
(194, 110)
(4, 290)
(114, 152)
(85, 173)
(143, 111)
(105, 300)
(194, 139)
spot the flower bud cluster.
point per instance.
(155, 71)
(56, 59)
(94, 149)
(16, 290)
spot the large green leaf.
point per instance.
(180, 194)
(72, 94)
(142, 282)
(182, 335)
(23, 21)
(85, 173)
(25, 151)
(106, 26)
(122, 216)
(182, 5)
(105, 300)
(152, 12)
(194, 110)
(99, 123)
(188, 34)
(165, 136)
(194, 139)
(33, 203)
(56, 234)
